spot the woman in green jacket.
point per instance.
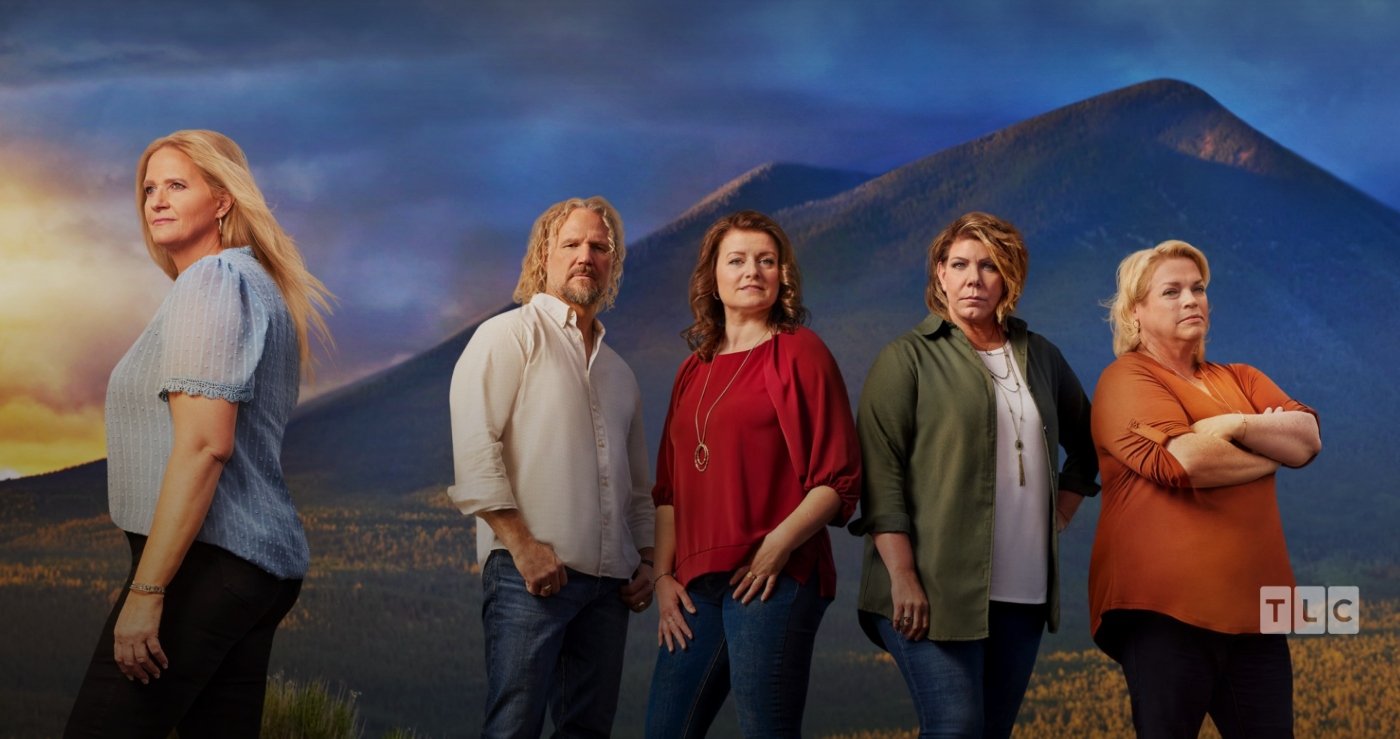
(961, 422)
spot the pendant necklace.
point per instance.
(1006, 393)
(702, 452)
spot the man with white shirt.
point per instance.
(549, 453)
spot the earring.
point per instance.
(221, 225)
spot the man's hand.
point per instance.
(637, 593)
(543, 571)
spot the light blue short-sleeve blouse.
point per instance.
(222, 332)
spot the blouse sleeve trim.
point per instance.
(231, 393)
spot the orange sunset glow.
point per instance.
(76, 288)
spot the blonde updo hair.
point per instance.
(1134, 279)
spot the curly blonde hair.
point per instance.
(249, 221)
(707, 332)
(533, 268)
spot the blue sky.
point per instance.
(408, 145)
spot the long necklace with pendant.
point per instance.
(702, 452)
(1021, 403)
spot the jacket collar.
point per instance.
(936, 326)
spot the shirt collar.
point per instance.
(935, 325)
(563, 314)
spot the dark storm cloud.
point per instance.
(409, 145)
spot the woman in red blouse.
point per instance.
(758, 455)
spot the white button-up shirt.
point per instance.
(540, 427)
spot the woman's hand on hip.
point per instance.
(135, 644)
(910, 604)
(760, 576)
(671, 627)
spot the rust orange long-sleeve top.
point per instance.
(1198, 555)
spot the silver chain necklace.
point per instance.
(1006, 392)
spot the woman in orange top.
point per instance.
(1190, 529)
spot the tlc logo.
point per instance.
(1309, 610)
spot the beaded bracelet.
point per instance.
(141, 587)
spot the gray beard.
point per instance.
(584, 296)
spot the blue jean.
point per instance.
(762, 650)
(564, 651)
(971, 688)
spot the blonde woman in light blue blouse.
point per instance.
(195, 416)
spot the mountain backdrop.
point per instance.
(1305, 285)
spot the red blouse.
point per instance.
(782, 428)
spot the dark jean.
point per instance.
(563, 651)
(763, 651)
(971, 688)
(216, 628)
(1178, 673)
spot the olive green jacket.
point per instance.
(927, 427)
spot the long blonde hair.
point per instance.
(249, 222)
(533, 267)
(1134, 278)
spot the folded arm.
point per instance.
(1288, 437)
(1212, 461)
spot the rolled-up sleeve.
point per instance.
(484, 387)
(885, 426)
(1134, 416)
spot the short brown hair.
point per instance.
(1007, 249)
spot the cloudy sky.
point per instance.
(409, 144)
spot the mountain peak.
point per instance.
(1182, 117)
(770, 187)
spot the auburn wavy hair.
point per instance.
(249, 222)
(705, 335)
(1008, 253)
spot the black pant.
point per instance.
(1178, 673)
(216, 629)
